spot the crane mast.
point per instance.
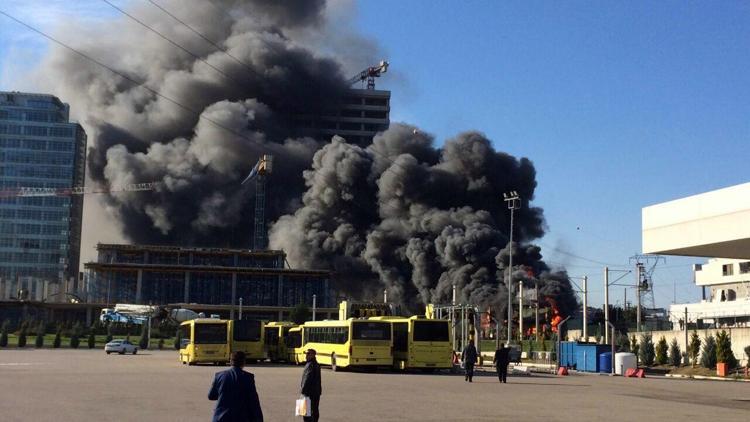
(368, 75)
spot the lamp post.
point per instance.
(514, 202)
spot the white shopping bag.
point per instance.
(303, 407)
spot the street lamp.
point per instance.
(514, 202)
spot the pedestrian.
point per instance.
(235, 394)
(502, 356)
(469, 358)
(311, 385)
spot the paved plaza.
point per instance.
(77, 385)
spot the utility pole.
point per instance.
(240, 308)
(514, 202)
(606, 303)
(315, 305)
(585, 309)
(638, 269)
(520, 310)
(686, 337)
(536, 312)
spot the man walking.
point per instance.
(311, 385)
(235, 394)
(502, 355)
(469, 358)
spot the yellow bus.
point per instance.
(293, 342)
(275, 333)
(420, 343)
(350, 343)
(246, 335)
(204, 340)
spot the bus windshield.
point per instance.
(371, 331)
(431, 331)
(246, 330)
(210, 333)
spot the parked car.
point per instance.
(120, 346)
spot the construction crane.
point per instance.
(260, 173)
(26, 192)
(370, 74)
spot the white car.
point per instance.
(121, 347)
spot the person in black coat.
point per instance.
(235, 394)
(469, 358)
(502, 356)
(311, 385)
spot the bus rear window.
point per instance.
(371, 331)
(246, 330)
(210, 333)
(431, 331)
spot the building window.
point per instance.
(376, 101)
(727, 269)
(35, 130)
(61, 132)
(745, 267)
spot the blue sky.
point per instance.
(620, 105)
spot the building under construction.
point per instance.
(210, 280)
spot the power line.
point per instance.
(205, 38)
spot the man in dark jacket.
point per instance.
(234, 390)
(469, 358)
(502, 356)
(311, 385)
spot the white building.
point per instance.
(713, 224)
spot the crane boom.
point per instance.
(370, 74)
(26, 192)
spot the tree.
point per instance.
(109, 333)
(143, 343)
(22, 336)
(4, 334)
(675, 354)
(161, 344)
(177, 339)
(724, 352)
(621, 340)
(75, 335)
(40, 331)
(708, 355)
(300, 314)
(694, 348)
(634, 347)
(92, 338)
(646, 351)
(661, 351)
(58, 334)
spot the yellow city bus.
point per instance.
(204, 340)
(420, 343)
(246, 335)
(293, 342)
(351, 343)
(275, 333)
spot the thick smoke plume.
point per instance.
(400, 213)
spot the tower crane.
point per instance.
(370, 74)
(260, 173)
(26, 192)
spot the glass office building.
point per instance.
(40, 236)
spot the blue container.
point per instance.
(605, 362)
(567, 354)
(587, 356)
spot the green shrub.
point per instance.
(694, 348)
(708, 354)
(22, 336)
(110, 337)
(675, 355)
(4, 335)
(177, 340)
(661, 351)
(724, 352)
(74, 341)
(622, 343)
(747, 353)
(40, 331)
(161, 344)
(646, 351)
(635, 348)
(56, 342)
(91, 339)
(143, 342)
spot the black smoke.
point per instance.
(401, 213)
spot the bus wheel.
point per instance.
(334, 368)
